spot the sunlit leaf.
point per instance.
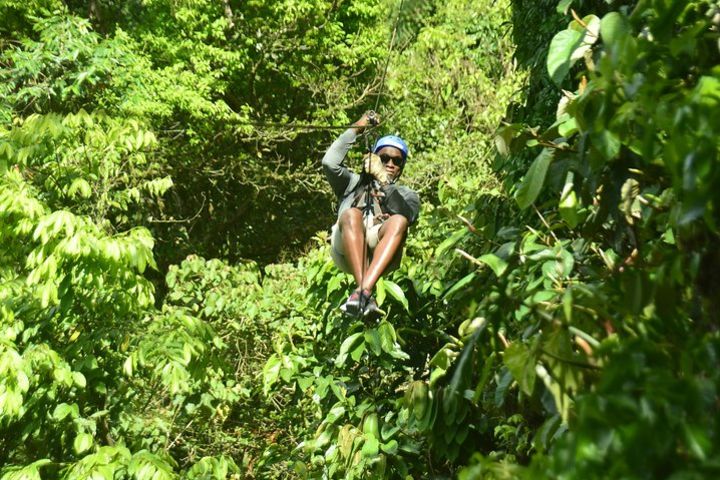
(534, 179)
(396, 292)
(562, 48)
(346, 346)
(614, 27)
(497, 264)
(82, 443)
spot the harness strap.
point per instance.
(360, 201)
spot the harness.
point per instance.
(371, 209)
(367, 199)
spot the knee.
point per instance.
(350, 218)
(398, 225)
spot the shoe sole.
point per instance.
(373, 314)
(352, 311)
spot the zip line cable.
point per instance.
(369, 200)
(368, 207)
(310, 126)
(296, 126)
(387, 60)
(305, 126)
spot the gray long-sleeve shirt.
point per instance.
(398, 198)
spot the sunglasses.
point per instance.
(398, 161)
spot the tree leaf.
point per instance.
(507, 138)
(357, 353)
(568, 202)
(614, 27)
(345, 348)
(388, 337)
(396, 292)
(63, 410)
(534, 179)
(464, 366)
(629, 203)
(372, 339)
(371, 446)
(503, 384)
(450, 241)
(380, 291)
(564, 6)
(271, 372)
(497, 264)
(459, 284)
(568, 127)
(82, 443)
(390, 447)
(606, 143)
(562, 49)
(521, 364)
(562, 400)
(79, 379)
(80, 187)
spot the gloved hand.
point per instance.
(369, 118)
(374, 166)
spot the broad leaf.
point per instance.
(346, 346)
(568, 202)
(560, 55)
(521, 363)
(396, 292)
(371, 446)
(614, 27)
(564, 6)
(82, 443)
(534, 179)
(497, 264)
(459, 284)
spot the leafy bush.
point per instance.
(555, 313)
(608, 308)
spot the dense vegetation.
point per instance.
(168, 307)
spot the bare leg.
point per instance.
(392, 235)
(353, 239)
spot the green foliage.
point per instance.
(197, 73)
(78, 314)
(17, 17)
(91, 163)
(448, 91)
(553, 317)
(62, 70)
(600, 325)
(349, 370)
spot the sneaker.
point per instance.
(354, 304)
(371, 309)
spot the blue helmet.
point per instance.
(392, 141)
